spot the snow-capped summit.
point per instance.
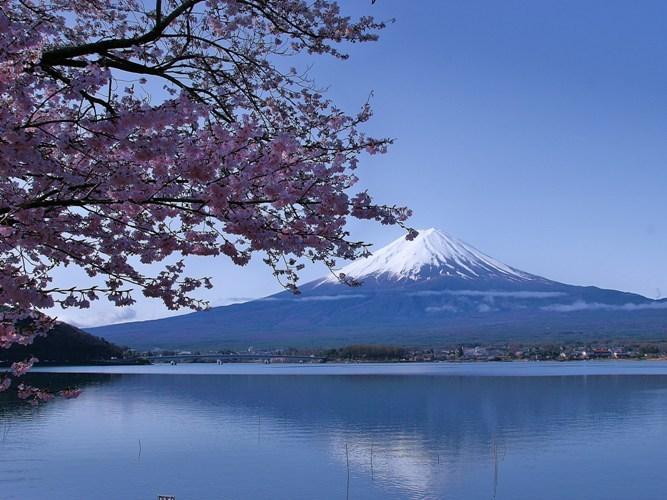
(431, 254)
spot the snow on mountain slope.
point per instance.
(431, 254)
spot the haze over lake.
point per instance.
(488, 430)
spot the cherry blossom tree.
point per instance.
(134, 133)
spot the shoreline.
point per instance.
(459, 369)
(139, 362)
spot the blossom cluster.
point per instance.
(134, 134)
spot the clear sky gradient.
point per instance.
(534, 130)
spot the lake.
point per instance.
(584, 430)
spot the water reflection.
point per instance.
(224, 436)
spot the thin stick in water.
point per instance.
(347, 461)
(372, 478)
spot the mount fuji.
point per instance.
(435, 289)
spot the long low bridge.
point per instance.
(233, 357)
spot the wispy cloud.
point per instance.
(225, 301)
(597, 306)
(443, 308)
(332, 297)
(119, 315)
(520, 294)
(309, 298)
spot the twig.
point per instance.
(347, 460)
(372, 476)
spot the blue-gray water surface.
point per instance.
(453, 431)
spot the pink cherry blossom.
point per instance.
(70, 393)
(21, 367)
(230, 156)
(5, 383)
(33, 395)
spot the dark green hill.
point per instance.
(64, 344)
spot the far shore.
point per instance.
(140, 362)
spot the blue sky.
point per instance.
(534, 130)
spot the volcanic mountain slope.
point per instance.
(435, 289)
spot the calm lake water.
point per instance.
(452, 431)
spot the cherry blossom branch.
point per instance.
(235, 156)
